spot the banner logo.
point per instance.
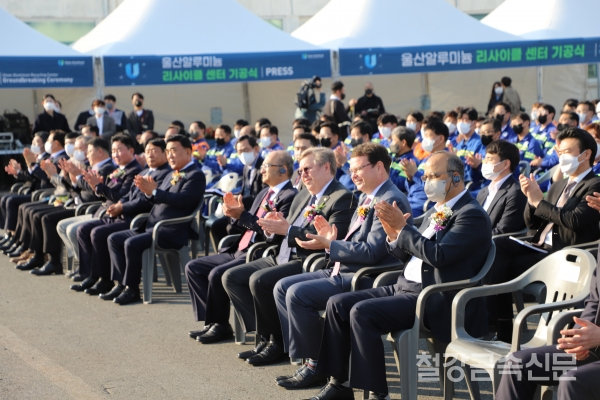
(132, 70)
(370, 61)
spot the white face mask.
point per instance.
(412, 125)
(385, 131)
(499, 90)
(428, 144)
(99, 110)
(35, 149)
(534, 115)
(69, 149)
(464, 127)
(264, 142)
(79, 155)
(568, 163)
(48, 147)
(487, 170)
(49, 106)
(436, 190)
(451, 127)
(247, 158)
(237, 133)
(582, 117)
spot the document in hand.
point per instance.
(527, 244)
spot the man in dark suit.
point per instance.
(324, 196)
(51, 119)
(300, 298)
(562, 219)
(140, 119)
(455, 249)
(106, 125)
(209, 299)
(249, 154)
(334, 106)
(178, 196)
(92, 236)
(502, 198)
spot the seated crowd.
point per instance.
(425, 194)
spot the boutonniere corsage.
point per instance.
(441, 218)
(117, 173)
(363, 211)
(60, 200)
(177, 177)
(311, 212)
(269, 206)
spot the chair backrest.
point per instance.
(567, 275)
(195, 225)
(228, 182)
(546, 176)
(524, 167)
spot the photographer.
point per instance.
(307, 105)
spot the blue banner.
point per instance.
(46, 72)
(399, 60)
(215, 68)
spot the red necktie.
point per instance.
(356, 224)
(245, 242)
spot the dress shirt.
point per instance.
(100, 123)
(493, 190)
(139, 112)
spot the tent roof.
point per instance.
(24, 41)
(394, 23)
(166, 27)
(547, 19)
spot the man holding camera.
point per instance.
(310, 99)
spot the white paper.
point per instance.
(569, 273)
(528, 245)
(412, 271)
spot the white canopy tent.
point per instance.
(190, 27)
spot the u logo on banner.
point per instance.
(132, 70)
(371, 60)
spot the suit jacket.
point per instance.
(135, 201)
(114, 189)
(590, 311)
(37, 177)
(506, 208)
(575, 222)
(255, 183)
(137, 125)
(455, 253)
(109, 128)
(337, 110)
(84, 192)
(339, 206)
(366, 245)
(248, 219)
(175, 201)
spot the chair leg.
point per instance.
(148, 267)
(240, 335)
(206, 239)
(173, 261)
(165, 267)
(472, 385)
(405, 351)
(518, 300)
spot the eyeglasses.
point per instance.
(432, 176)
(304, 171)
(355, 171)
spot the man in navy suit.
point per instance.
(92, 236)
(178, 196)
(452, 248)
(209, 299)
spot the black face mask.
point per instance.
(138, 103)
(561, 127)
(394, 148)
(325, 142)
(343, 96)
(486, 139)
(542, 119)
(356, 142)
(518, 128)
(500, 117)
(368, 92)
(194, 134)
(220, 142)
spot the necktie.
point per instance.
(561, 202)
(247, 183)
(355, 225)
(245, 241)
(285, 250)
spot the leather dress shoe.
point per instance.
(378, 396)
(86, 284)
(102, 286)
(78, 278)
(48, 269)
(216, 333)
(334, 392)
(244, 355)
(11, 249)
(8, 244)
(30, 264)
(304, 378)
(196, 334)
(71, 274)
(5, 239)
(114, 293)
(18, 252)
(23, 257)
(128, 296)
(271, 354)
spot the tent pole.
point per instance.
(99, 77)
(598, 79)
(335, 67)
(425, 99)
(540, 91)
(246, 96)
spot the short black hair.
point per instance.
(93, 128)
(180, 128)
(226, 128)
(505, 105)
(363, 127)
(497, 125)
(335, 129)
(141, 96)
(506, 81)
(251, 140)
(506, 151)
(585, 139)
(72, 135)
(571, 103)
(305, 128)
(200, 124)
(184, 140)
(438, 127)
(240, 122)
(123, 138)
(404, 133)
(337, 85)
(110, 97)
(523, 116)
(154, 135)
(49, 95)
(59, 136)
(417, 115)
(301, 121)
(587, 103)
(549, 109)
(471, 113)
(272, 129)
(179, 124)
(156, 143)
(100, 143)
(572, 116)
(263, 121)
(452, 114)
(387, 119)
(314, 142)
(42, 135)
(374, 153)
(316, 126)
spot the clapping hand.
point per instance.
(536, 162)
(391, 217)
(531, 189)
(322, 240)
(70, 167)
(222, 160)
(473, 160)
(410, 167)
(232, 207)
(114, 210)
(274, 223)
(594, 201)
(341, 155)
(29, 156)
(92, 178)
(49, 168)
(145, 183)
(13, 168)
(579, 341)
(141, 159)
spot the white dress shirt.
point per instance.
(100, 123)
(493, 190)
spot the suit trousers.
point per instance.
(92, 240)
(3, 200)
(210, 302)
(542, 365)
(221, 228)
(67, 230)
(354, 324)
(299, 300)
(31, 234)
(50, 220)
(13, 202)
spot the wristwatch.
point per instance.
(154, 192)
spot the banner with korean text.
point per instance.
(398, 60)
(215, 68)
